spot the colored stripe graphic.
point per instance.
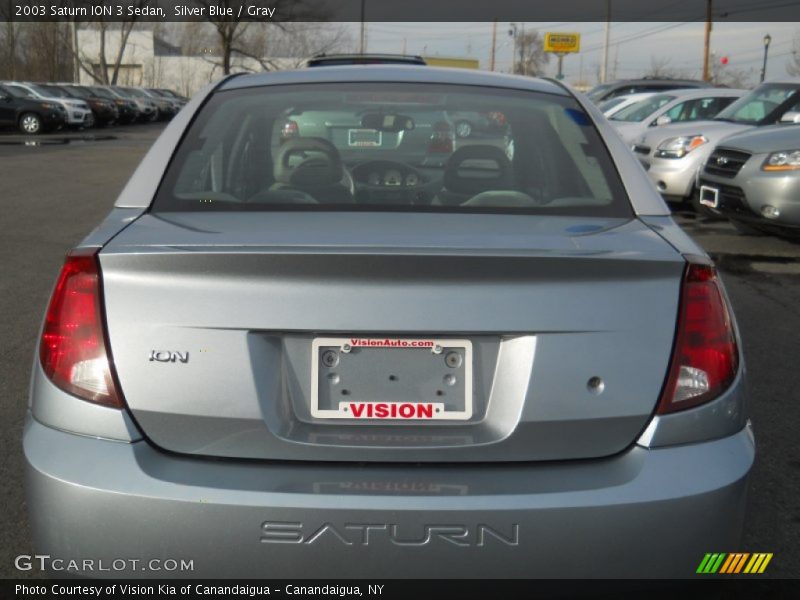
(711, 563)
(727, 564)
(734, 563)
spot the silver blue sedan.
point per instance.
(284, 355)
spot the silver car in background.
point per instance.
(673, 155)
(676, 106)
(753, 178)
(612, 105)
(293, 356)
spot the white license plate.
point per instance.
(709, 196)
(391, 379)
(364, 138)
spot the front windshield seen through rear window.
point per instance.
(639, 111)
(762, 104)
(383, 146)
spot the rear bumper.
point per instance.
(644, 513)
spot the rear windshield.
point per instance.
(382, 146)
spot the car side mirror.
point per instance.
(791, 116)
(663, 120)
(4, 97)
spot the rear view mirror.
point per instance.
(663, 120)
(389, 123)
(791, 117)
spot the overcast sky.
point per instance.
(633, 45)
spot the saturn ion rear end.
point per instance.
(305, 351)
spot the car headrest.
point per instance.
(478, 168)
(308, 162)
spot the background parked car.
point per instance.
(128, 112)
(104, 111)
(148, 108)
(173, 94)
(77, 111)
(604, 91)
(673, 154)
(28, 113)
(176, 102)
(677, 106)
(753, 178)
(612, 105)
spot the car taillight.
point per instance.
(289, 130)
(705, 358)
(441, 139)
(73, 349)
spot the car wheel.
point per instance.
(153, 117)
(30, 123)
(745, 229)
(463, 129)
(88, 122)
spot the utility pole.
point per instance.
(363, 44)
(707, 45)
(604, 66)
(494, 45)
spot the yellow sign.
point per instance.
(459, 63)
(562, 42)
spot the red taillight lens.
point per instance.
(705, 359)
(441, 141)
(289, 130)
(72, 349)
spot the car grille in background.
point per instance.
(726, 163)
(731, 199)
(641, 149)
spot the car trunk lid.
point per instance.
(212, 319)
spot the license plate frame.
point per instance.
(356, 138)
(427, 408)
(709, 196)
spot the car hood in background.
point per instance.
(714, 131)
(766, 139)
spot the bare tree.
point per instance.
(235, 37)
(271, 46)
(531, 58)
(660, 69)
(109, 29)
(45, 57)
(793, 64)
(9, 40)
(726, 76)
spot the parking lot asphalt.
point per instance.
(53, 193)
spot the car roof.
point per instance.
(624, 82)
(394, 74)
(790, 80)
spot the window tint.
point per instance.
(18, 92)
(639, 111)
(392, 147)
(698, 109)
(762, 104)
